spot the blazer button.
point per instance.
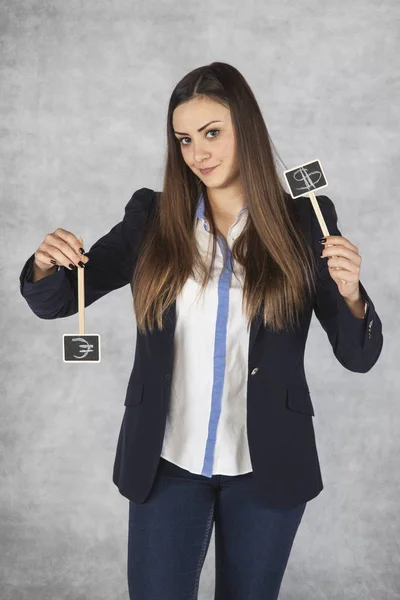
(254, 371)
(167, 376)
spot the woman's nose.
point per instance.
(199, 155)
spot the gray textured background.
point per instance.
(83, 98)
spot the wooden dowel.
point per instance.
(81, 296)
(321, 222)
(318, 212)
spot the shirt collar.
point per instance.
(201, 207)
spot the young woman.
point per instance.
(226, 270)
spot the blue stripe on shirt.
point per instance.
(219, 348)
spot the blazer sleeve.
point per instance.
(111, 264)
(356, 343)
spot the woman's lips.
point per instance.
(207, 171)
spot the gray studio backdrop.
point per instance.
(83, 98)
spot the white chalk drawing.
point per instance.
(310, 179)
(85, 347)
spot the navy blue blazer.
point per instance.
(279, 407)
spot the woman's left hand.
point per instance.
(344, 263)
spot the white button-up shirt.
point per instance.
(206, 429)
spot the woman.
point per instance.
(225, 270)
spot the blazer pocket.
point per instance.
(134, 393)
(298, 399)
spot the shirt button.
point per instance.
(167, 376)
(254, 371)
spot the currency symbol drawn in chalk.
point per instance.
(306, 178)
(85, 348)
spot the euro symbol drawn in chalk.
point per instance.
(310, 179)
(85, 347)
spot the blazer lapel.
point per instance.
(254, 328)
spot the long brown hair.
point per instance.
(271, 248)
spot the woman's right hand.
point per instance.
(61, 246)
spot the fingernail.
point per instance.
(81, 264)
(71, 266)
(81, 250)
(322, 240)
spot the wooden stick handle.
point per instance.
(81, 296)
(318, 212)
(321, 221)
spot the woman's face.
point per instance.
(214, 146)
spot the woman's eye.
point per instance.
(209, 131)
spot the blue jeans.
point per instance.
(169, 535)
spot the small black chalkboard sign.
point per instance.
(81, 347)
(305, 179)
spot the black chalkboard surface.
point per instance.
(81, 347)
(305, 178)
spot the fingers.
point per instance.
(339, 240)
(341, 262)
(343, 259)
(342, 251)
(344, 276)
(63, 247)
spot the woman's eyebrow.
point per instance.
(201, 128)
